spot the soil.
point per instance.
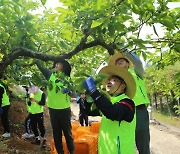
(16, 144)
(164, 139)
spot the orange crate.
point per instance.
(52, 147)
(94, 128)
(82, 131)
(75, 125)
(85, 144)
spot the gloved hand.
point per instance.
(77, 98)
(1, 110)
(90, 84)
(65, 90)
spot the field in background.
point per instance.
(173, 121)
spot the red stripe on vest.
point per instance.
(128, 105)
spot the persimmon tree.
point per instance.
(84, 32)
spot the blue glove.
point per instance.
(65, 90)
(77, 98)
(1, 110)
(90, 84)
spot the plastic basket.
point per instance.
(94, 128)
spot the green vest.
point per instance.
(56, 99)
(35, 107)
(5, 98)
(116, 137)
(141, 94)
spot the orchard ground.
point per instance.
(164, 139)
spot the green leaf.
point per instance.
(63, 45)
(43, 2)
(80, 74)
(57, 89)
(102, 75)
(111, 29)
(144, 55)
(138, 2)
(61, 10)
(61, 18)
(97, 23)
(140, 42)
(119, 26)
(50, 86)
(80, 86)
(89, 98)
(135, 9)
(167, 23)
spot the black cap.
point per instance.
(66, 66)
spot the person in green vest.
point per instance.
(134, 65)
(36, 109)
(117, 129)
(27, 122)
(4, 110)
(58, 102)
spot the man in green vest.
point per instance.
(58, 102)
(36, 108)
(132, 62)
(117, 130)
(4, 109)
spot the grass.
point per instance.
(172, 121)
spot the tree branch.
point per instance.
(20, 51)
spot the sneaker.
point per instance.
(6, 135)
(36, 141)
(44, 144)
(27, 135)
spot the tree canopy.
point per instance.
(86, 32)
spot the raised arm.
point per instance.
(138, 67)
(46, 72)
(43, 100)
(123, 110)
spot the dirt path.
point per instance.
(164, 139)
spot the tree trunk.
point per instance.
(167, 103)
(155, 100)
(161, 105)
(174, 101)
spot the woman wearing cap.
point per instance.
(117, 130)
(4, 109)
(58, 102)
(27, 122)
(132, 62)
(36, 104)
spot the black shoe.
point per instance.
(44, 145)
(36, 141)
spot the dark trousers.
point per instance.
(37, 122)
(61, 122)
(142, 131)
(27, 124)
(5, 119)
(83, 118)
